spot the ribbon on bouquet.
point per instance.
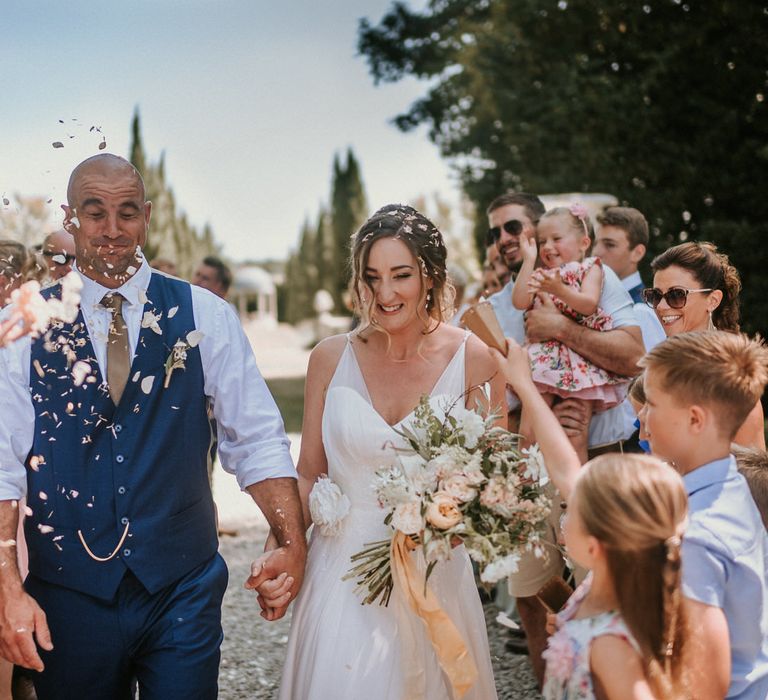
(451, 651)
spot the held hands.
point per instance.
(277, 576)
(20, 618)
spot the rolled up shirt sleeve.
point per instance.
(17, 419)
(252, 440)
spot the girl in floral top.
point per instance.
(575, 284)
(623, 634)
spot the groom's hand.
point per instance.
(277, 576)
(20, 618)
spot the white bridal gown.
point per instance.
(339, 649)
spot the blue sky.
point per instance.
(249, 100)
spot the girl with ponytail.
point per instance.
(623, 633)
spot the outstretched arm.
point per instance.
(559, 456)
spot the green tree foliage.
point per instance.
(321, 260)
(171, 235)
(659, 102)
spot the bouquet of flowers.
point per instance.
(462, 480)
(30, 313)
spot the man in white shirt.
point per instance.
(621, 242)
(511, 216)
(104, 425)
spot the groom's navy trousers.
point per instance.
(122, 534)
(169, 641)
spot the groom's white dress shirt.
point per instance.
(252, 441)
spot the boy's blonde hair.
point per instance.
(636, 390)
(753, 465)
(713, 368)
(637, 508)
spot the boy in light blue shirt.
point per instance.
(700, 387)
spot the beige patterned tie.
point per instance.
(118, 353)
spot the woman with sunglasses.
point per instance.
(695, 288)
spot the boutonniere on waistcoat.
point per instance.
(178, 355)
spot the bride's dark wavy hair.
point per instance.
(425, 242)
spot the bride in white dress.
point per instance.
(360, 388)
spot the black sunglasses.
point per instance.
(513, 227)
(676, 296)
(66, 256)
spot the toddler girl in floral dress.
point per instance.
(575, 285)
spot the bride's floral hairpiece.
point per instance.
(578, 210)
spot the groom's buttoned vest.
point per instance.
(97, 471)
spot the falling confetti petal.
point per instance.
(172, 312)
(6, 201)
(135, 377)
(102, 145)
(146, 384)
(58, 144)
(194, 338)
(7, 543)
(80, 371)
(45, 529)
(43, 496)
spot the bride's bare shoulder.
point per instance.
(326, 355)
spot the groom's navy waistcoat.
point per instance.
(96, 468)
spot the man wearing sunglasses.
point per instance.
(59, 253)
(510, 216)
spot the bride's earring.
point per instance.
(429, 298)
(711, 325)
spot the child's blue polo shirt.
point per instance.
(725, 564)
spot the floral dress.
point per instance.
(568, 675)
(559, 370)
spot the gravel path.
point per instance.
(252, 653)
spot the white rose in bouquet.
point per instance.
(421, 475)
(500, 568)
(328, 506)
(443, 511)
(407, 518)
(459, 487)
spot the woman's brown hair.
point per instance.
(636, 507)
(713, 270)
(424, 241)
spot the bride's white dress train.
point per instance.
(339, 649)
